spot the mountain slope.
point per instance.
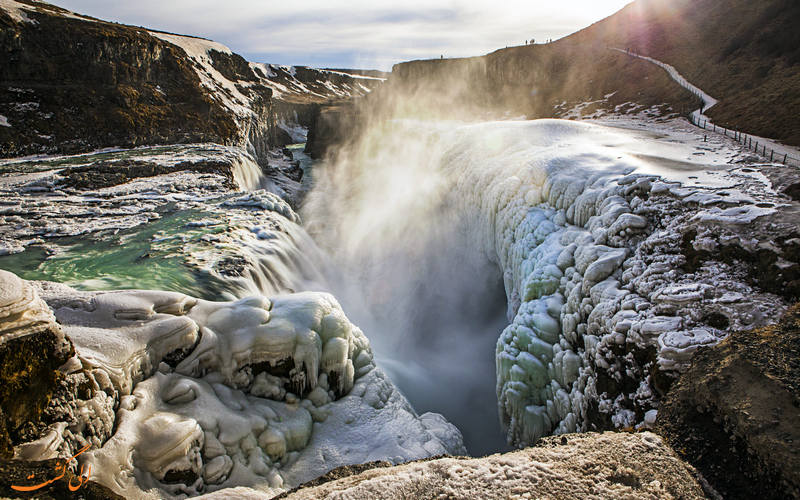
(746, 54)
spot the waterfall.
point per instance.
(248, 175)
(423, 220)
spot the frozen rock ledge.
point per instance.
(182, 396)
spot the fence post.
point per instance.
(771, 154)
(784, 158)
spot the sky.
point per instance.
(358, 33)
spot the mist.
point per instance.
(406, 267)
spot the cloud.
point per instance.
(356, 33)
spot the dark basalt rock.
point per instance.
(332, 126)
(74, 84)
(232, 66)
(775, 269)
(734, 413)
(105, 174)
(35, 393)
(70, 85)
(29, 378)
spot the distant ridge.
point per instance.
(744, 53)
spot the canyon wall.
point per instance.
(71, 83)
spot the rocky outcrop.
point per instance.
(104, 174)
(608, 465)
(32, 348)
(301, 93)
(332, 126)
(734, 414)
(71, 83)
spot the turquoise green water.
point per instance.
(154, 256)
(146, 257)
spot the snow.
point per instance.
(284, 82)
(16, 11)
(708, 101)
(4, 121)
(353, 75)
(212, 414)
(221, 88)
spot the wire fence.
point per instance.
(758, 145)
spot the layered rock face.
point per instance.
(71, 83)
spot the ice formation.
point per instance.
(260, 392)
(586, 224)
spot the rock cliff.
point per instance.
(71, 83)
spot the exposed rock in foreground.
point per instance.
(734, 414)
(32, 347)
(608, 465)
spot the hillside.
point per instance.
(743, 53)
(746, 54)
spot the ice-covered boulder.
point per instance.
(177, 395)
